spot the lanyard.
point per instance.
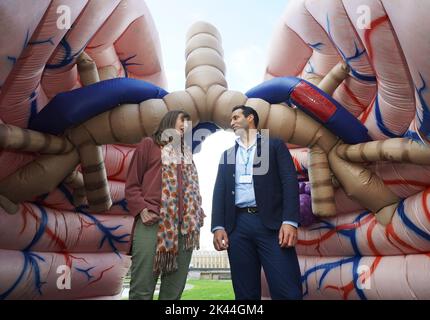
(248, 155)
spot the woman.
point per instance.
(162, 191)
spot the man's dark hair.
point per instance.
(247, 111)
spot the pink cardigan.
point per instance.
(143, 185)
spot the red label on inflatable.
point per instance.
(313, 101)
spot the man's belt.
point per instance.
(252, 210)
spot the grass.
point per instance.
(209, 290)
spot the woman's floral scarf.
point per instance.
(190, 220)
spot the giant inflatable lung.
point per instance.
(383, 43)
(346, 89)
(53, 248)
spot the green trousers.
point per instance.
(143, 280)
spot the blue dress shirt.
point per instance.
(244, 192)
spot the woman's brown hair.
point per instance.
(168, 122)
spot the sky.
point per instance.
(246, 27)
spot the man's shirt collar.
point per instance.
(240, 143)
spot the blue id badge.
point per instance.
(245, 178)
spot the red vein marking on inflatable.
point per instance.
(100, 276)
(93, 47)
(78, 258)
(67, 256)
(24, 217)
(354, 98)
(298, 166)
(54, 237)
(85, 223)
(52, 206)
(369, 237)
(407, 182)
(347, 226)
(69, 259)
(347, 289)
(424, 202)
(366, 113)
(122, 163)
(389, 231)
(57, 240)
(367, 33)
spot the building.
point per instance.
(210, 265)
(209, 260)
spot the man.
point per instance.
(255, 211)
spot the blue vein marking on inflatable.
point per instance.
(410, 224)
(317, 46)
(351, 234)
(13, 59)
(380, 122)
(5, 294)
(106, 231)
(68, 56)
(363, 77)
(86, 272)
(31, 43)
(355, 275)
(29, 261)
(327, 267)
(121, 203)
(125, 64)
(356, 55)
(40, 230)
(30, 258)
(425, 121)
(412, 135)
(35, 266)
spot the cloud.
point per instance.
(207, 165)
(245, 67)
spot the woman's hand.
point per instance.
(148, 217)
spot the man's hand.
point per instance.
(149, 217)
(287, 236)
(220, 240)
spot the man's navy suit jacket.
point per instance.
(276, 191)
